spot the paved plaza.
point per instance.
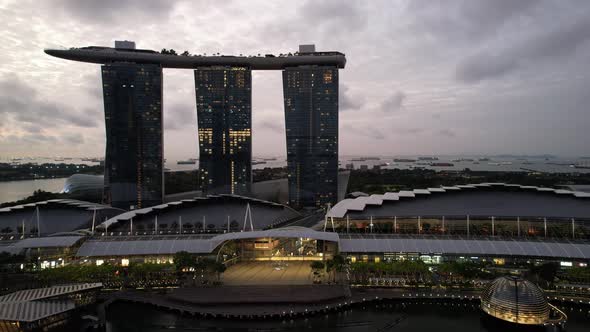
(269, 273)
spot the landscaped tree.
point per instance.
(545, 272)
(184, 260)
(317, 265)
(317, 268)
(219, 268)
(335, 265)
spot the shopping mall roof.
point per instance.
(466, 247)
(53, 216)
(114, 247)
(167, 245)
(70, 203)
(33, 304)
(41, 242)
(218, 208)
(489, 204)
(47, 293)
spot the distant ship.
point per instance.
(442, 164)
(186, 162)
(428, 158)
(403, 160)
(258, 162)
(484, 159)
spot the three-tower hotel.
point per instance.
(132, 91)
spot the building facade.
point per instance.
(134, 134)
(311, 120)
(224, 115)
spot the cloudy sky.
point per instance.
(422, 77)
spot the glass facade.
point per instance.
(311, 119)
(224, 115)
(134, 145)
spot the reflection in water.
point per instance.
(391, 316)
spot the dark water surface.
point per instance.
(395, 316)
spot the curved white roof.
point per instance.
(117, 247)
(467, 247)
(286, 232)
(131, 214)
(65, 202)
(358, 204)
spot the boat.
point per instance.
(186, 162)
(403, 160)
(506, 163)
(365, 159)
(428, 158)
(442, 164)
(258, 162)
(484, 159)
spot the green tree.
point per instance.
(219, 268)
(335, 265)
(184, 260)
(545, 272)
(317, 265)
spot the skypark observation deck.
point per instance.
(104, 55)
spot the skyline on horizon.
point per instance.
(462, 78)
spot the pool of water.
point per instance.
(394, 316)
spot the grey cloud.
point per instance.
(341, 15)
(179, 116)
(114, 10)
(563, 40)
(481, 66)
(411, 130)
(73, 138)
(465, 20)
(447, 133)
(323, 21)
(32, 128)
(22, 102)
(348, 102)
(272, 126)
(393, 102)
(365, 131)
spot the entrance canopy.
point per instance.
(285, 232)
(162, 245)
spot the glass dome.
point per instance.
(515, 300)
